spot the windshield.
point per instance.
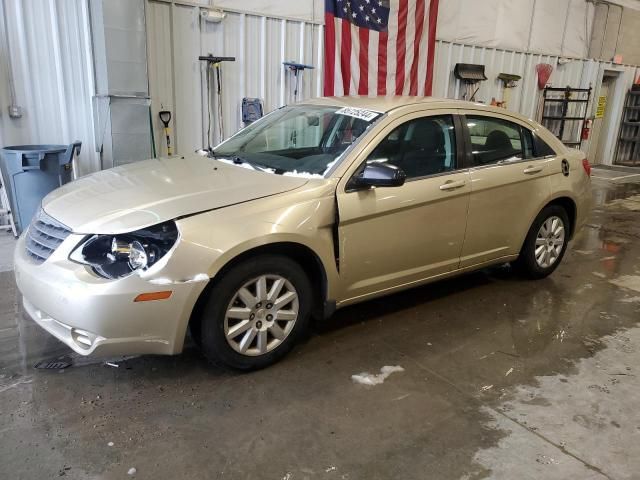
(300, 140)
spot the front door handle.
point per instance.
(452, 185)
(533, 169)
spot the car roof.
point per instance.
(386, 104)
(396, 103)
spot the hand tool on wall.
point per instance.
(471, 75)
(298, 70)
(219, 94)
(165, 118)
(509, 81)
(214, 62)
(153, 135)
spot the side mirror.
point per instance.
(379, 175)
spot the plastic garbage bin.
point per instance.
(30, 172)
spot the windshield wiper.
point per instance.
(243, 161)
(238, 160)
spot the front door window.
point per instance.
(421, 147)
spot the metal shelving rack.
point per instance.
(628, 146)
(564, 112)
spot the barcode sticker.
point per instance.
(361, 113)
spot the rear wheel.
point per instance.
(256, 312)
(546, 243)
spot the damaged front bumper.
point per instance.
(97, 316)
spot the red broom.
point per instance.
(544, 72)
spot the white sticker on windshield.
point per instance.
(366, 115)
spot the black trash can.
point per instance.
(30, 172)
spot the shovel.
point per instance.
(165, 118)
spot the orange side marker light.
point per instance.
(147, 297)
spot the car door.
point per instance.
(394, 236)
(508, 185)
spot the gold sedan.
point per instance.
(313, 207)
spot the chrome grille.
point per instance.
(45, 234)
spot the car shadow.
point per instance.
(414, 297)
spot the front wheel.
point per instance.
(256, 312)
(545, 243)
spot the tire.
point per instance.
(268, 328)
(545, 263)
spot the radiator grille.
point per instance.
(45, 234)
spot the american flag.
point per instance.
(379, 47)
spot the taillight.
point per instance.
(587, 166)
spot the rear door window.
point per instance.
(494, 140)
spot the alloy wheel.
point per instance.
(261, 315)
(549, 241)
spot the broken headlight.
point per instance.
(116, 256)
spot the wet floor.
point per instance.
(503, 378)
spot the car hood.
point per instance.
(145, 193)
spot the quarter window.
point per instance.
(421, 147)
(527, 143)
(542, 148)
(494, 140)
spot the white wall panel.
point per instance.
(161, 88)
(578, 30)
(260, 45)
(547, 28)
(523, 97)
(559, 27)
(50, 58)
(185, 29)
(308, 10)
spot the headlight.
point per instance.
(116, 256)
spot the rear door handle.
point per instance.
(533, 169)
(452, 185)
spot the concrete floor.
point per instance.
(503, 378)
(7, 244)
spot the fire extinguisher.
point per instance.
(586, 129)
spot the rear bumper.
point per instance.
(583, 207)
(97, 316)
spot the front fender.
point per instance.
(222, 235)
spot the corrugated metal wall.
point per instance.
(50, 54)
(177, 36)
(523, 98)
(576, 73)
